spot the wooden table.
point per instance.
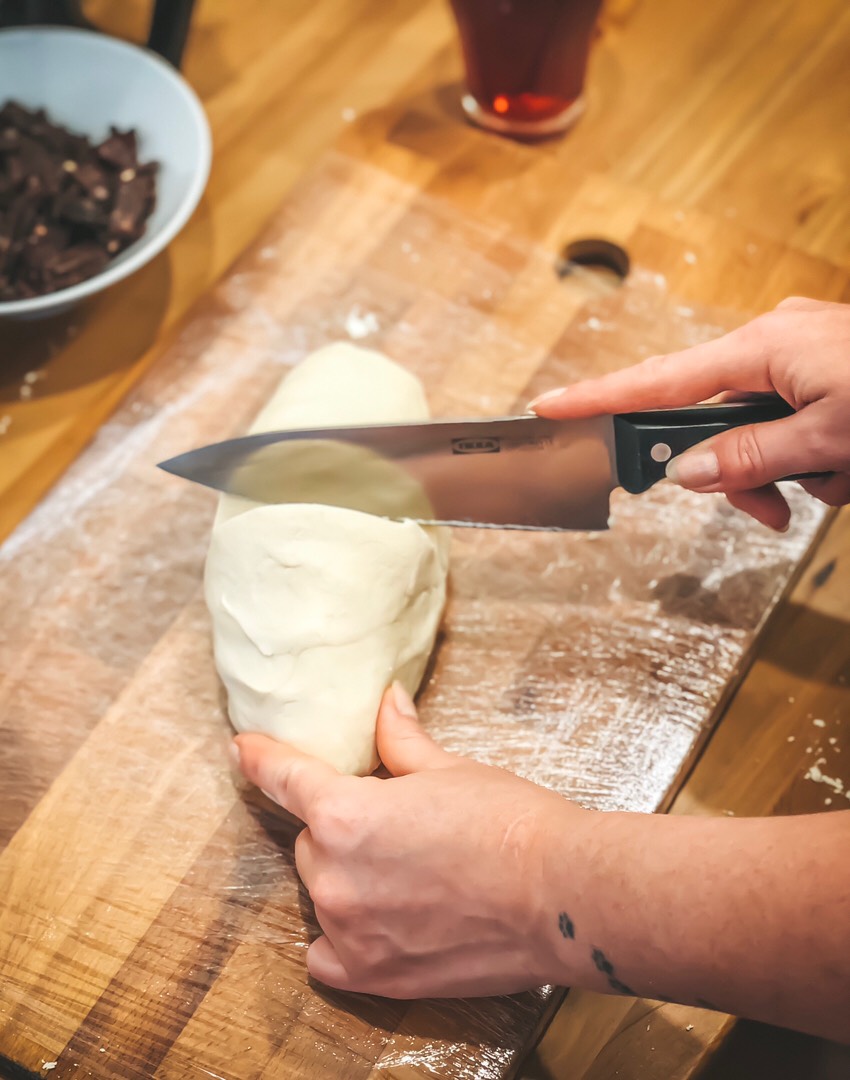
(719, 130)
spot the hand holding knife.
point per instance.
(556, 470)
(526, 472)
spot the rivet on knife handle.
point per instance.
(645, 441)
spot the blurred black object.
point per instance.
(169, 27)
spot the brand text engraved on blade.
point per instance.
(476, 446)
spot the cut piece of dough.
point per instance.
(317, 609)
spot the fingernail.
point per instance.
(403, 701)
(784, 528)
(550, 395)
(233, 754)
(269, 796)
(696, 469)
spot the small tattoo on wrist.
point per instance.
(603, 964)
(565, 925)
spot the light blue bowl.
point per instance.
(87, 82)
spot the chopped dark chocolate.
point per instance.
(119, 150)
(9, 139)
(14, 115)
(93, 178)
(133, 204)
(78, 262)
(67, 206)
(80, 209)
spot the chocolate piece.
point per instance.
(133, 204)
(119, 150)
(80, 209)
(40, 250)
(66, 206)
(78, 262)
(93, 179)
(10, 139)
(20, 218)
(43, 171)
(14, 115)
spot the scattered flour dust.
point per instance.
(814, 773)
(30, 379)
(360, 324)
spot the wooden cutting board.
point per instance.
(151, 922)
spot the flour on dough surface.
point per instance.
(317, 609)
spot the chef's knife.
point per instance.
(522, 472)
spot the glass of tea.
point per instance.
(525, 62)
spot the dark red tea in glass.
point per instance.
(525, 62)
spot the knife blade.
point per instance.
(522, 472)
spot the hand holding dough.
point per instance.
(317, 609)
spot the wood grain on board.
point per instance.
(791, 711)
(149, 910)
(728, 113)
(713, 148)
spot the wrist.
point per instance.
(561, 896)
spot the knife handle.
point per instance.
(645, 441)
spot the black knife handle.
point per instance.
(645, 441)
